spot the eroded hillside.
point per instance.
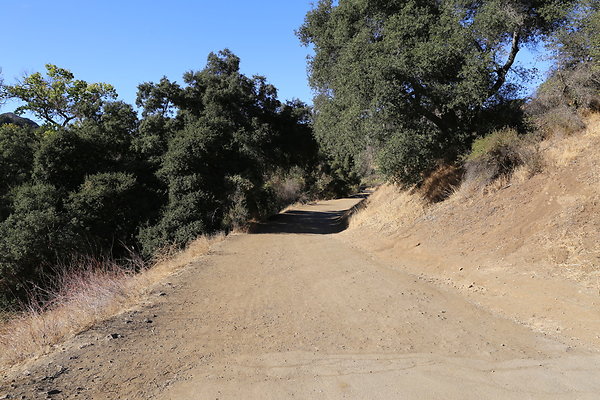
(525, 246)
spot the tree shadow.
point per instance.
(315, 222)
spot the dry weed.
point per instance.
(84, 296)
(389, 208)
(441, 183)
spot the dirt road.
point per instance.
(292, 311)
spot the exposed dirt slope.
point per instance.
(295, 312)
(526, 248)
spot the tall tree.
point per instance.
(58, 98)
(412, 78)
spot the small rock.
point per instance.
(113, 336)
(161, 294)
(53, 392)
(148, 321)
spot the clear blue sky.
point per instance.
(127, 42)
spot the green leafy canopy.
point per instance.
(413, 78)
(58, 98)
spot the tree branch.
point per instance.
(502, 71)
(430, 115)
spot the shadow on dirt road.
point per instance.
(317, 218)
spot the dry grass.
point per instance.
(441, 183)
(389, 208)
(567, 229)
(563, 151)
(94, 291)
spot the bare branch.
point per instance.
(502, 71)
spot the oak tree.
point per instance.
(413, 78)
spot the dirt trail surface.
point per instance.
(293, 311)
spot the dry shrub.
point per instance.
(497, 156)
(86, 292)
(560, 104)
(441, 183)
(562, 152)
(389, 208)
(288, 187)
(289, 190)
(559, 121)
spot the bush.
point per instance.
(30, 239)
(238, 213)
(559, 102)
(17, 146)
(288, 187)
(407, 156)
(181, 221)
(64, 159)
(499, 153)
(105, 209)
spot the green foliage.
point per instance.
(230, 135)
(498, 144)
(151, 141)
(105, 210)
(98, 181)
(64, 158)
(17, 147)
(59, 98)
(29, 238)
(406, 155)
(386, 72)
(193, 173)
(578, 41)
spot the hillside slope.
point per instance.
(526, 248)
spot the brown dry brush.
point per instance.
(82, 293)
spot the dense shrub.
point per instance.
(499, 153)
(30, 238)
(407, 156)
(105, 211)
(17, 147)
(64, 159)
